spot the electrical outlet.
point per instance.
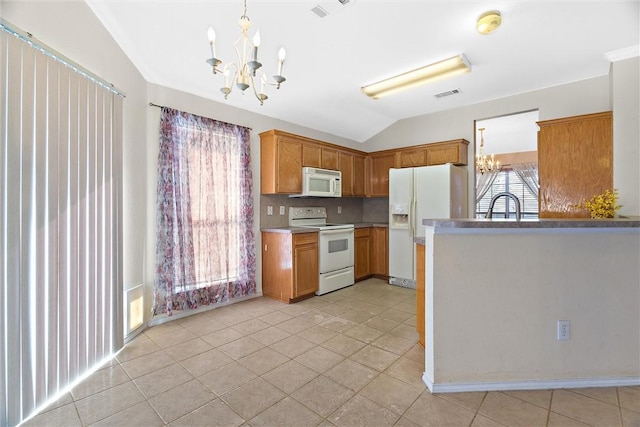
(564, 331)
(269, 210)
(281, 210)
(339, 209)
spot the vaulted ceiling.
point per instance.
(540, 44)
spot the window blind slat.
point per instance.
(27, 207)
(53, 219)
(42, 197)
(3, 224)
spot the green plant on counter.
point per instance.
(603, 205)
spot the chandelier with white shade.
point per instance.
(246, 72)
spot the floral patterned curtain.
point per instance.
(205, 250)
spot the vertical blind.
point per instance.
(60, 225)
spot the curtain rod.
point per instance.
(151, 104)
(28, 38)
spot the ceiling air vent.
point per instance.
(326, 8)
(318, 10)
(448, 93)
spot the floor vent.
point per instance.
(448, 93)
(326, 8)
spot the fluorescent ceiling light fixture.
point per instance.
(438, 70)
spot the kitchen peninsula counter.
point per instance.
(496, 289)
(497, 223)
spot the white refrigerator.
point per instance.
(428, 192)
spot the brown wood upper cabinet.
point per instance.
(312, 155)
(345, 165)
(437, 153)
(412, 158)
(317, 156)
(575, 162)
(280, 163)
(350, 164)
(329, 158)
(358, 183)
(454, 151)
(378, 165)
(283, 155)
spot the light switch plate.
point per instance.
(564, 332)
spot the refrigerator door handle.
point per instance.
(412, 216)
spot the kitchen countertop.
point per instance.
(626, 222)
(511, 225)
(371, 224)
(294, 230)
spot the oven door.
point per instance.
(335, 249)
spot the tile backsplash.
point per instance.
(375, 210)
(354, 209)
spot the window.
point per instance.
(205, 244)
(508, 180)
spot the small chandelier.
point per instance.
(245, 72)
(483, 162)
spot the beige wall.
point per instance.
(494, 298)
(625, 94)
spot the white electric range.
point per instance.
(335, 247)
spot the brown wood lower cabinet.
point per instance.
(362, 253)
(420, 291)
(380, 251)
(371, 253)
(289, 265)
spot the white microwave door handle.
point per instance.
(333, 186)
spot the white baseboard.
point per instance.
(531, 384)
(162, 318)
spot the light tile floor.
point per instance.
(349, 358)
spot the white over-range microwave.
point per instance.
(318, 182)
